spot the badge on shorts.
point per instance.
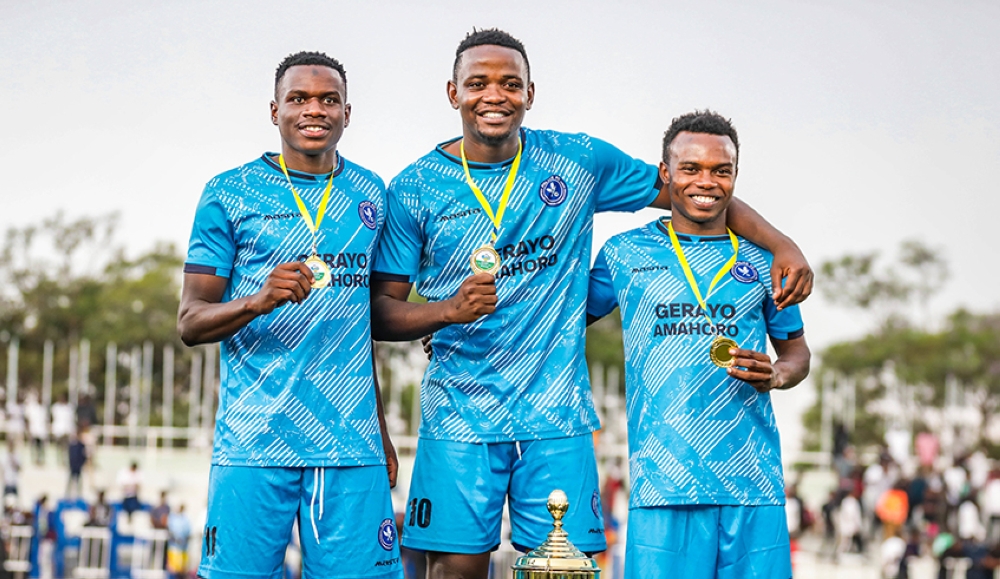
(387, 534)
(595, 504)
(553, 191)
(744, 272)
(368, 213)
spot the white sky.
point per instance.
(862, 124)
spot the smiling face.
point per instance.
(492, 93)
(311, 112)
(700, 177)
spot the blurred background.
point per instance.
(868, 134)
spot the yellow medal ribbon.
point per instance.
(690, 276)
(313, 227)
(504, 198)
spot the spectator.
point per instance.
(179, 527)
(130, 482)
(38, 427)
(989, 502)
(849, 524)
(892, 554)
(891, 509)
(63, 425)
(160, 514)
(86, 413)
(934, 505)
(15, 420)
(969, 525)
(77, 454)
(99, 514)
(11, 469)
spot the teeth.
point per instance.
(703, 198)
(493, 115)
(313, 128)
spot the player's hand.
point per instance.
(754, 368)
(391, 461)
(790, 265)
(476, 297)
(287, 282)
(425, 342)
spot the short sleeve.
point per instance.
(401, 242)
(601, 299)
(212, 248)
(783, 324)
(623, 183)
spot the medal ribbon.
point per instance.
(690, 275)
(313, 227)
(504, 198)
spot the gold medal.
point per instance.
(719, 352)
(485, 259)
(321, 271)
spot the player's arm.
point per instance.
(756, 368)
(789, 262)
(394, 319)
(203, 317)
(391, 461)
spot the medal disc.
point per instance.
(485, 259)
(719, 352)
(321, 271)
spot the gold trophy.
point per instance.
(557, 558)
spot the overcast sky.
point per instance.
(862, 124)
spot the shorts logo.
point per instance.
(553, 191)
(744, 272)
(595, 504)
(387, 534)
(368, 213)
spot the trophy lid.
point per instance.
(557, 554)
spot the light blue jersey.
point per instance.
(297, 387)
(696, 435)
(519, 373)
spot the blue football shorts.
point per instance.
(345, 520)
(708, 542)
(458, 491)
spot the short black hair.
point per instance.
(705, 121)
(306, 58)
(489, 36)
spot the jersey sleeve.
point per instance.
(212, 248)
(623, 183)
(783, 324)
(397, 257)
(601, 299)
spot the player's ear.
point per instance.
(664, 173)
(274, 113)
(531, 96)
(347, 114)
(453, 94)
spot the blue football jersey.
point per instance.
(696, 435)
(297, 386)
(519, 373)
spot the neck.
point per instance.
(682, 224)
(479, 152)
(315, 164)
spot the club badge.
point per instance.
(368, 213)
(553, 191)
(387, 534)
(744, 272)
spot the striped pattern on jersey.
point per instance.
(696, 436)
(520, 373)
(297, 386)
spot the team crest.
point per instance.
(595, 504)
(387, 534)
(368, 213)
(553, 191)
(744, 272)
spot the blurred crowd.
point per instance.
(898, 506)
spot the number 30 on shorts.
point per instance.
(420, 513)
